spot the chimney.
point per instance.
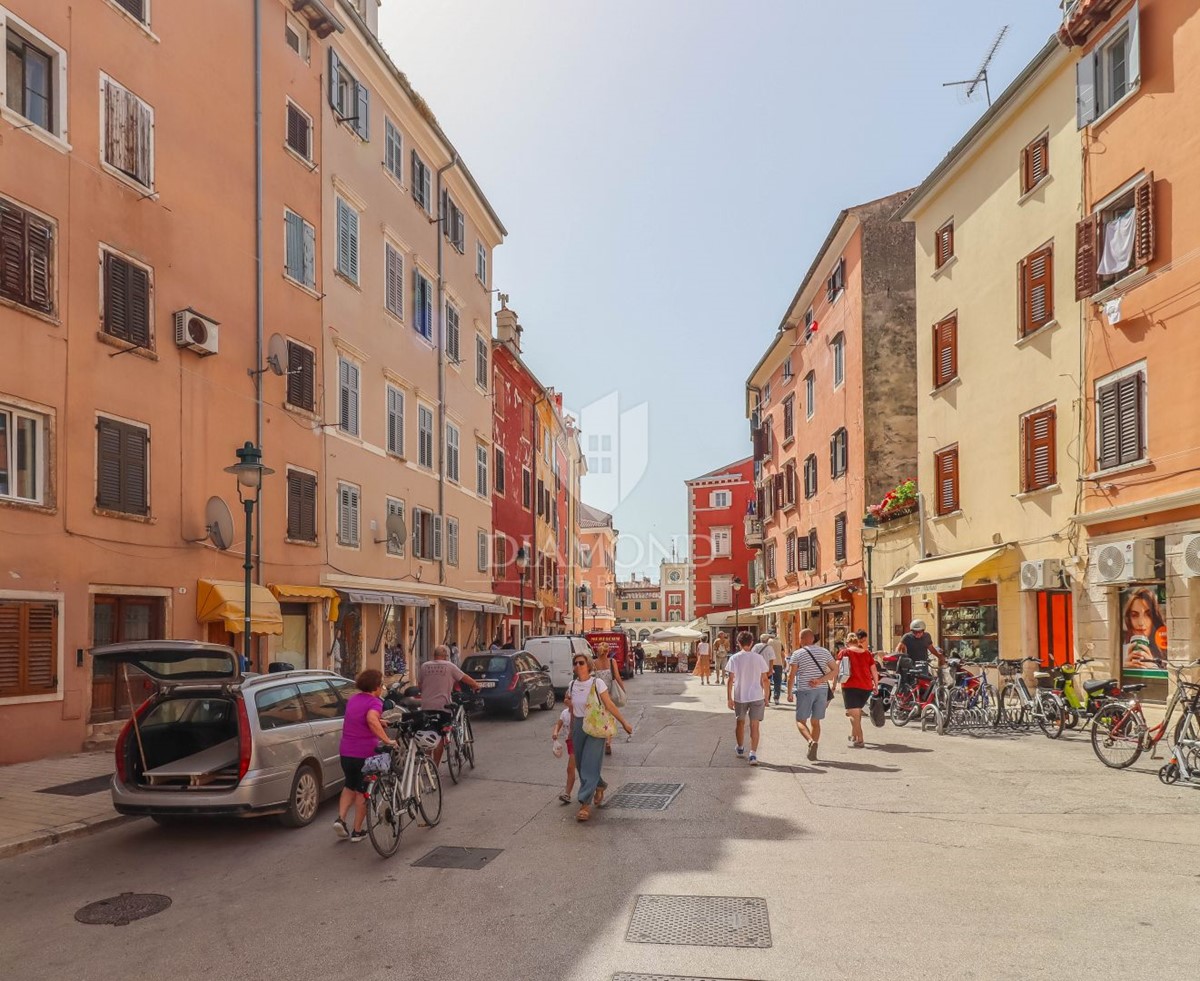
(508, 330)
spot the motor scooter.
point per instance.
(1082, 698)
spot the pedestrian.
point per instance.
(917, 645)
(589, 750)
(812, 671)
(454, 653)
(362, 731)
(721, 656)
(703, 662)
(776, 661)
(639, 659)
(564, 723)
(437, 680)
(746, 686)
(859, 676)
(605, 668)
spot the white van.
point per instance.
(555, 652)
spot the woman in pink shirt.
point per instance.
(362, 731)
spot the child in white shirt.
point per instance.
(564, 723)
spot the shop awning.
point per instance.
(376, 596)
(286, 591)
(223, 601)
(465, 606)
(940, 574)
(795, 602)
(494, 608)
(727, 618)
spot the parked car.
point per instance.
(209, 741)
(618, 648)
(510, 681)
(555, 652)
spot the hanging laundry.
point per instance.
(1118, 244)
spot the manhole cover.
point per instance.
(701, 921)
(80, 788)
(667, 977)
(645, 796)
(667, 789)
(450, 857)
(123, 909)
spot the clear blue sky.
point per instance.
(666, 169)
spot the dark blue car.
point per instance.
(510, 681)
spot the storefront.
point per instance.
(305, 611)
(787, 615)
(221, 605)
(389, 631)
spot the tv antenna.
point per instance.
(970, 87)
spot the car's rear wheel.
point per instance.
(521, 712)
(548, 704)
(305, 798)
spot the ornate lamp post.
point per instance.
(595, 610)
(581, 602)
(522, 564)
(737, 586)
(870, 537)
(249, 471)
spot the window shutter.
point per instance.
(294, 504)
(40, 242)
(1143, 203)
(108, 464)
(1040, 468)
(116, 119)
(293, 235)
(362, 125)
(415, 166)
(1107, 427)
(803, 559)
(36, 643)
(134, 446)
(839, 537)
(418, 533)
(945, 351)
(300, 376)
(116, 299)
(1129, 409)
(437, 536)
(344, 515)
(139, 135)
(352, 243)
(297, 130)
(1037, 290)
(394, 287)
(139, 305)
(1086, 262)
(310, 254)
(1039, 161)
(335, 66)
(343, 236)
(12, 252)
(946, 469)
(1133, 22)
(1085, 90)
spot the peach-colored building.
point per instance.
(598, 558)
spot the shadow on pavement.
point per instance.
(896, 748)
(858, 767)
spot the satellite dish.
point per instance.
(397, 530)
(277, 355)
(218, 522)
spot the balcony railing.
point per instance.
(754, 532)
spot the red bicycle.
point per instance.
(917, 691)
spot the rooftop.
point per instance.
(590, 517)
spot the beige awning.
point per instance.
(940, 574)
(795, 602)
(287, 591)
(223, 601)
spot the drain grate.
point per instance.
(667, 977)
(645, 796)
(701, 921)
(123, 909)
(80, 788)
(452, 857)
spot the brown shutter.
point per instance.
(944, 245)
(1086, 262)
(1039, 160)
(945, 350)
(10, 647)
(1037, 290)
(139, 306)
(12, 252)
(803, 560)
(297, 131)
(1143, 203)
(839, 537)
(1040, 455)
(116, 300)
(39, 247)
(41, 647)
(760, 443)
(108, 464)
(134, 446)
(1129, 412)
(946, 468)
(1107, 427)
(293, 504)
(300, 376)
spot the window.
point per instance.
(838, 447)
(839, 538)
(136, 8)
(452, 541)
(347, 528)
(721, 539)
(348, 393)
(526, 489)
(422, 305)
(945, 473)
(789, 484)
(347, 241)
(1035, 163)
(722, 591)
(279, 707)
(943, 245)
(839, 360)
(454, 225)
(393, 280)
(127, 138)
(765, 397)
(787, 369)
(1039, 464)
(427, 534)
(26, 258)
(23, 465)
(395, 421)
(481, 470)
(1121, 419)
(500, 557)
(300, 376)
(789, 418)
(499, 468)
(300, 250)
(452, 334)
(481, 361)
(1035, 277)
(122, 466)
(1110, 72)
(945, 350)
(481, 263)
(810, 558)
(452, 438)
(301, 506)
(421, 183)
(790, 552)
(810, 476)
(393, 150)
(299, 131)
(126, 300)
(425, 436)
(295, 36)
(33, 73)
(320, 701)
(637, 604)
(28, 647)
(837, 281)
(349, 98)
(810, 394)
(769, 561)
(1117, 239)
(675, 601)
(395, 543)
(481, 549)
(810, 325)
(720, 499)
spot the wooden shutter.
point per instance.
(298, 132)
(395, 421)
(310, 254)
(1040, 456)
(135, 444)
(790, 553)
(415, 166)
(1108, 452)
(28, 648)
(40, 246)
(135, 7)
(1039, 161)
(839, 538)
(803, 558)
(302, 506)
(395, 547)
(12, 252)
(945, 351)
(1036, 276)
(394, 286)
(1086, 262)
(1143, 203)
(300, 369)
(1131, 445)
(116, 119)
(437, 536)
(946, 468)
(348, 397)
(12, 617)
(760, 443)
(761, 503)
(108, 464)
(293, 504)
(335, 81)
(362, 99)
(1085, 90)
(943, 245)
(126, 300)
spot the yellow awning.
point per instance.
(795, 602)
(282, 590)
(940, 574)
(222, 601)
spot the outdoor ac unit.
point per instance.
(1191, 555)
(1041, 574)
(196, 332)
(1125, 561)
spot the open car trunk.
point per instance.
(190, 741)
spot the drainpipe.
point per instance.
(258, 269)
(920, 525)
(441, 352)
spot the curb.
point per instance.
(65, 832)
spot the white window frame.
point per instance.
(395, 505)
(349, 537)
(395, 400)
(1137, 368)
(309, 259)
(452, 541)
(425, 422)
(838, 344)
(1094, 98)
(722, 542)
(349, 268)
(296, 25)
(481, 263)
(106, 81)
(722, 590)
(352, 426)
(483, 356)
(720, 499)
(810, 394)
(41, 421)
(453, 448)
(59, 131)
(482, 477)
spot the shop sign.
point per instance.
(1144, 638)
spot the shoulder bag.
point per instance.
(597, 720)
(828, 689)
(616, 690)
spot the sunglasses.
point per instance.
(579, 662)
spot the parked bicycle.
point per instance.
(403, 785)
(916, 695)
(1120, 733)
(1018, 705)
(971, 698)
(458, 737)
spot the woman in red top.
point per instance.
(859, 676)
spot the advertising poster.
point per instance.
(1143, 629)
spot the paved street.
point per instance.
(921, 856)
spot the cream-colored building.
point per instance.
(998, 335)
(405, 372)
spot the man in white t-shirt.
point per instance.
(772, 653)
(746, 677)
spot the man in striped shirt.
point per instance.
(811, 670)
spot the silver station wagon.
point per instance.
(209, 741)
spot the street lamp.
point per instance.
(581, 596)
(737, 585)
(870, 537)
(249, 471)
(522, 565)
(595, 609)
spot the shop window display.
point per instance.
(970, 632)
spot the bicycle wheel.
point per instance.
(1118, 735)
(468, 741)
(989, 704)
(902, 706)
(383, 815)
(1050, 714)
(1012, 712)
(956, 706)
(453, 751)
(429, 791)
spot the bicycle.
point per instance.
(970, 696)
(1045, 707)
(916, 693)
(458, 739)
(409, 785)
(1120, 733)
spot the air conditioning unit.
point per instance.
(1125, 561)
(1041, 574)
(196, 332)
(1191, 555)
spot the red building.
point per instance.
(720, 513)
